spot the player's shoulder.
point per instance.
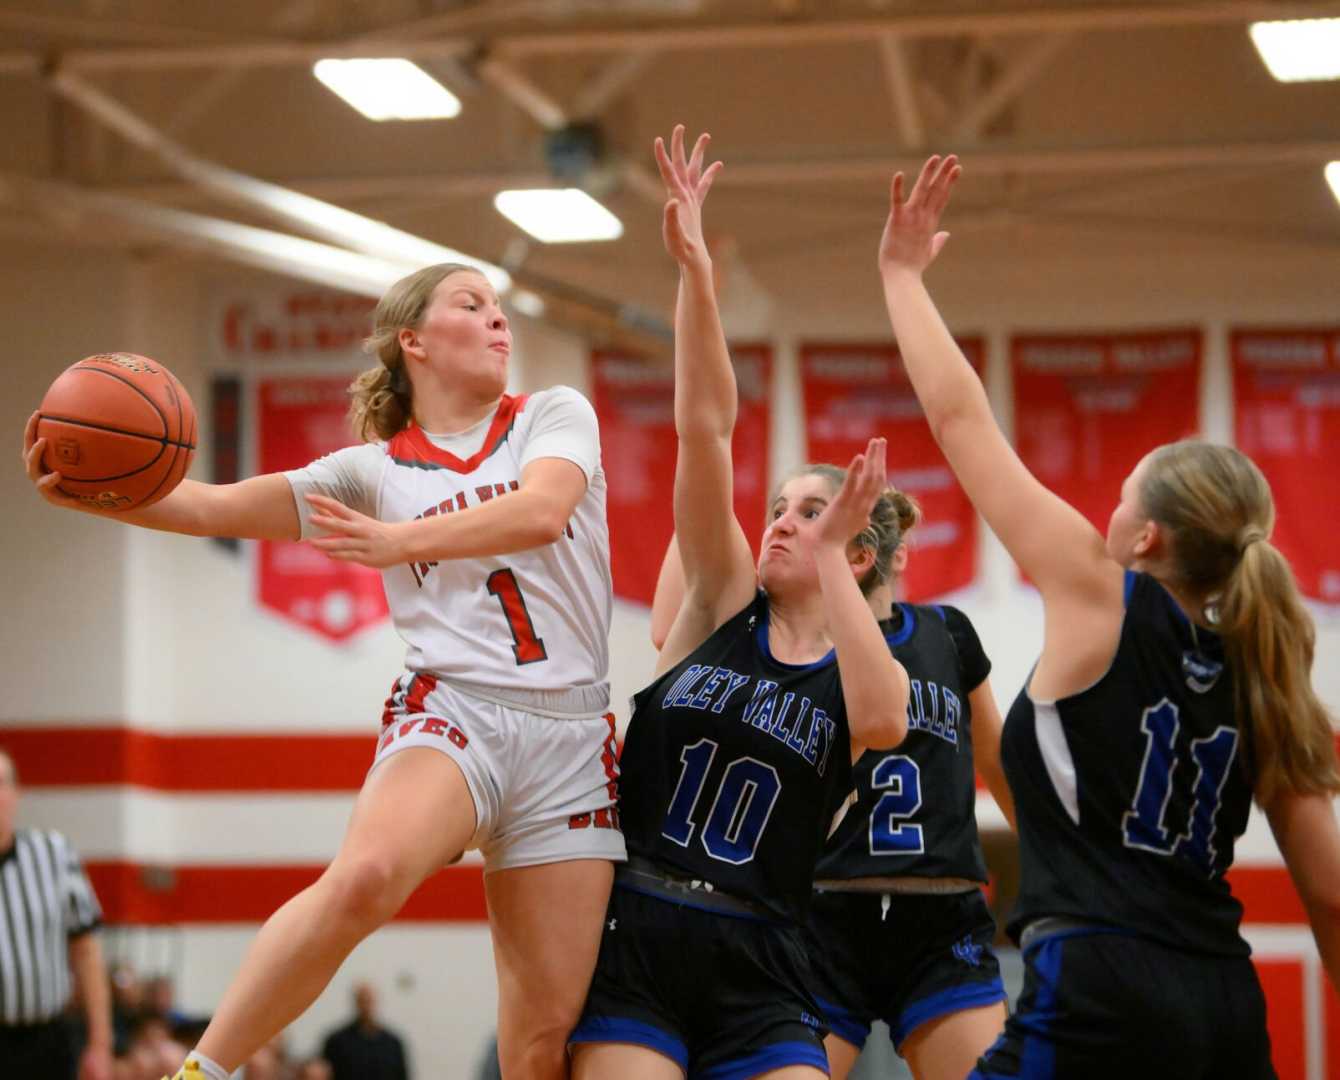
(559, 396)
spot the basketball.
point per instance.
(120, 429)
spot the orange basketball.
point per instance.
(120, 429)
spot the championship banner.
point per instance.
(634, 400)
(1088, 407)
(854, 392)
(299, 420)
(1286, 387)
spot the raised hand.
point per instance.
(849, 513)
(353, 537)
(686, 186)
(911, 240)
(45, 482)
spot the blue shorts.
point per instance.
(1105, 1004)
(904, 958)
(724, 996)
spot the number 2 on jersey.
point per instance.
(902, 776)
(1144, 825)
(740, 812)
(526, 647)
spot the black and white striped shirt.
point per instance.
(45, 899)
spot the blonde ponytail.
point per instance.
(1218, 510)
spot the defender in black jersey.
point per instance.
(899, 929)
(1174, 686)
(739, 753)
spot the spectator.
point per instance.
(48, 915)
(363, 1049)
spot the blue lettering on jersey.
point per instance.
(791, 719)
(935, 709)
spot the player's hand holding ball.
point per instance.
(114, 432)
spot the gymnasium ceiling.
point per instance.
(1118, 122)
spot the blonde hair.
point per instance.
(1218, 510)
(382, 396)
(894, 515)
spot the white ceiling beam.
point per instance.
(522, 92)
(1112, 17)
(1029, 64)
(1107, 17)
(609, 82)
(902, 91)
(257, 54)
(458, 20)
(997, 161)
(119, 29)
(77, 209)
(304, 212)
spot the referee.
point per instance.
(47, 917)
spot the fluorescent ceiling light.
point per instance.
(558, 215)
(1299, 50)
(1333, 178)
(391, 89)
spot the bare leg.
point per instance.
(546, 922)
(795, 1072)
(948, 1047)
(842, 1056)
(619, 1061)
(414, 815)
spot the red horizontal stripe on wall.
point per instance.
(1267, 894)
(90, 756)
(131, 894)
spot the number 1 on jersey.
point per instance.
(526, 647)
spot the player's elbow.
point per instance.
(550, 521)
(880, 729)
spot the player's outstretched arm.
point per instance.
(534, 515)
(874, 684)
(669, 595)
(259, 508)
(1308, 835)
(1050, 540)
(718, 565)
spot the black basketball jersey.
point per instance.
(735, 765)
(916, 808)
(1130, 794)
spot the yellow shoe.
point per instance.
(190, 1071)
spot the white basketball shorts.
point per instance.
(545, 789)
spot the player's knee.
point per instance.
(365, 889)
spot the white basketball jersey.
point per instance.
(531, 620)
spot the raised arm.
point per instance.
(259, 508)
(718, 564)
(1051, 541)
(669, 595)
(874, 684)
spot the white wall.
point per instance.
(114, 626)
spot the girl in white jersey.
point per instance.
(495, 557)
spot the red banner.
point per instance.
(1088, 407)
(1286, 385)
(854, 392)
(300, 419)
(634, 399)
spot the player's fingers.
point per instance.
(30, 431)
